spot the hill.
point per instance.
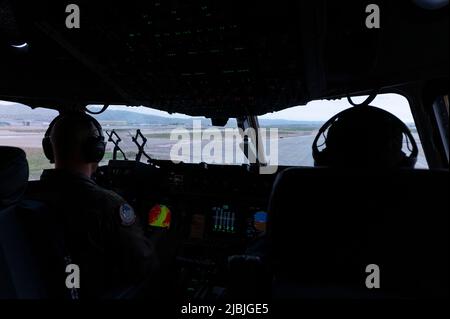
(19, 113)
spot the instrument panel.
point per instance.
(206, 206)
(211, 212)
(197, 200)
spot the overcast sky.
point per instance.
(313, 111)
(323, 110)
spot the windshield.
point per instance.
(175, 137)
(287, 135)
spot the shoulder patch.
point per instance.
(127, 215)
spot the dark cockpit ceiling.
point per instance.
(214, 58)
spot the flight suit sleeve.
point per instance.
(134, 254)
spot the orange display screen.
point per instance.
(159, 216)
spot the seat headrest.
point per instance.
(13, 175)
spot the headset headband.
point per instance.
(97, 125)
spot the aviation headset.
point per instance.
(323, 158)
(93, 148)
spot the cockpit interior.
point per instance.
(253, 230)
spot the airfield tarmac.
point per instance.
(159, 146)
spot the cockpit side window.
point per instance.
(23, 127)
(298, 126)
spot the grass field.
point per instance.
(37, 162)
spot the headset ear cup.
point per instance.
(321, 158)
(99, 152)
(48, 149)
(408, 162)
(47, 146)
(94, 150)
(96, 145)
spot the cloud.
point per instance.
(323, 110)
(5, 103)
(320, 110)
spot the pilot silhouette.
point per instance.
(363, 137)
(101, 231)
